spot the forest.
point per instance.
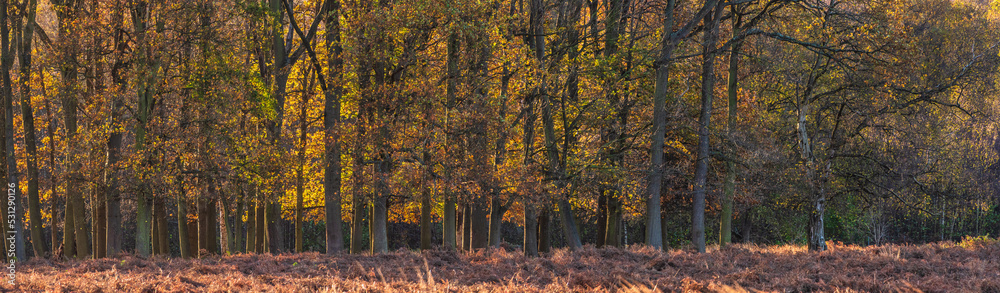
(176, 129)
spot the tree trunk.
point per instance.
(260, 225)
(497, 211)
(12, 172)
(449, 223)
(611, 213)
(69, 230)
(28, 121)
(203, 225)
(661, 87)
(300, 170)
(380, 240)
(53, 204)
(161, 218)
(544, 230)
(182, 240)
(148, 68)
(251, 245)
(530, 217)
(425, 213)
(704, 129)
(479, 224)
(213, 226)
(156, 229)
(729, 189)
(613, 234)
(556, 171)
(331, 123)
(449, 229)
(357, 225)
(467, 215)
(602, 216)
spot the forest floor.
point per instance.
(968, 266)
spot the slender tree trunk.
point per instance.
(565, 210)
(203, 225)
(53, 204)
(236, 232)
(300, 171)
(425, 209)
(466, 227)
(261, 242)
(449, 229)
(213, 225)
(729, 189)
(358, 200)
(331, 123)
(612, 206)
(251, 243)
(28, 121)
(156, 229)
(357, 225)
(661, 87)
(704, 129)
(113, 173)
(182, 240)
(497, 206)
(8, 101)
(449, 223)
(602, 216)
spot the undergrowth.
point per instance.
(972, 265)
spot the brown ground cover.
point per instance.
(969, 266)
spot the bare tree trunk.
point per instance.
(8, 105)
(616, 149)
(182, 240)
(704, 129)
(357, 225)
(28, 121)
(425, 206)
(729, 188)
(654, 230)
(261, 242)
(448, 225)
(53, 204)
(449, 229)
(467, 227)
(331, 124)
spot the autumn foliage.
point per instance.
(972, 265)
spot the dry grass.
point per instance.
(940, 267)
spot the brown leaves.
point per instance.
(941, 267)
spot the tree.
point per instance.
(28, 118)
(8, 103)
(331, 124)
(669, 41)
